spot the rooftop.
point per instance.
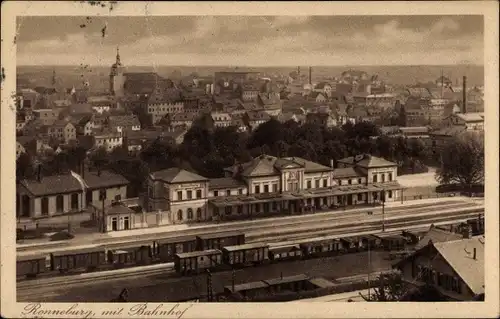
(366, 161)
(224, 182)
(436, 235)
(177, 175)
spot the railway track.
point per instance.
(28, 287)
(253, 224)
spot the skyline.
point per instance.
(251, 41)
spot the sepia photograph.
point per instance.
(233, 158)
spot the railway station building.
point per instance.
(267, 185)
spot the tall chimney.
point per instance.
(298, 72)
(464, 95)
(310, 75)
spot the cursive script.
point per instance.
(144, 309)
(40, 311)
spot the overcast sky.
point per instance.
(251, 41)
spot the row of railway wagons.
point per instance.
(122, 254)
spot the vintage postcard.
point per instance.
(249, 159)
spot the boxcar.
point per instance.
(31, 265)
(245, 255)
(137, 253)
(317, 247)
(220, 240)
(197, 261)
(288, 252)
(165, 249)
(83, 258)
(352, 243)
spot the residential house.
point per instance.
(318, 97)
(83, 124)
(471, 121)
(321, 118)
(183, 119)
(269, 103)
(221, 119)
(46, 116)
(158, 110)
(454, 269)
(63, 131)
(107, 138)
(25, 144)
(124, 122)
(324, 88)
(255, 118)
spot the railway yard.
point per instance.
(169, 266)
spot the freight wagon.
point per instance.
(287, 252)
(31, 265)
(321, 246)
(246, 255)
(197, 261)
(219, 240)
(84, 258)
(166, 249)
(133, 253)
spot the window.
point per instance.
(257, 208)
(349, 181)
(257, 189)
(189, 194)
(179, 214)
(114, 223)
(325, 182)
(360, 196)
(275, 188)
(309, 184)
(179, 195)
(126, 223)
(240, 191)
(198, 193)
(118, 198)
(240, 209)
(102, 194)
(275, 206)
(198, 213)
(389, 194)
(266, 188)
(375, 178)
(317, 183)
(383, 178)
(190, 213)
(59, 203)
(389, 177)
(228, 192)
(45, 206)
(216, 193)
(74, 201)
(360, 181)
(228, 210)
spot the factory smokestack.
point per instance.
(298, 72)
(464, 95)
(310, 75)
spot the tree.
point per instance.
(390, 287)
(462, 160)
(24, 166)
(99, 158)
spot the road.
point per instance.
(163, 288)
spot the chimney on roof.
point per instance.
(466, 231)
(474, 254)
(39, 173)
(331, 163)
(464, 95)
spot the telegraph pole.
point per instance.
(383, 210)
(209, 286)
(233, 279)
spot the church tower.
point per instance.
(117, 77)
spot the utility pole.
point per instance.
(209, 286)
(383, 210)
(233, 279)
(102, 197)
(369, 269)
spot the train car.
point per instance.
(83, 258)
(370, 242)
(317, 247)
(352, 243)
(197, 261)
(31, 265)
(134, 253)
(393, 242)
(287, 252)
(165, 249)
(246, 255)
(219, 240)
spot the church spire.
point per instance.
(118, 56)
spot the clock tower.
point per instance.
(117, 77)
